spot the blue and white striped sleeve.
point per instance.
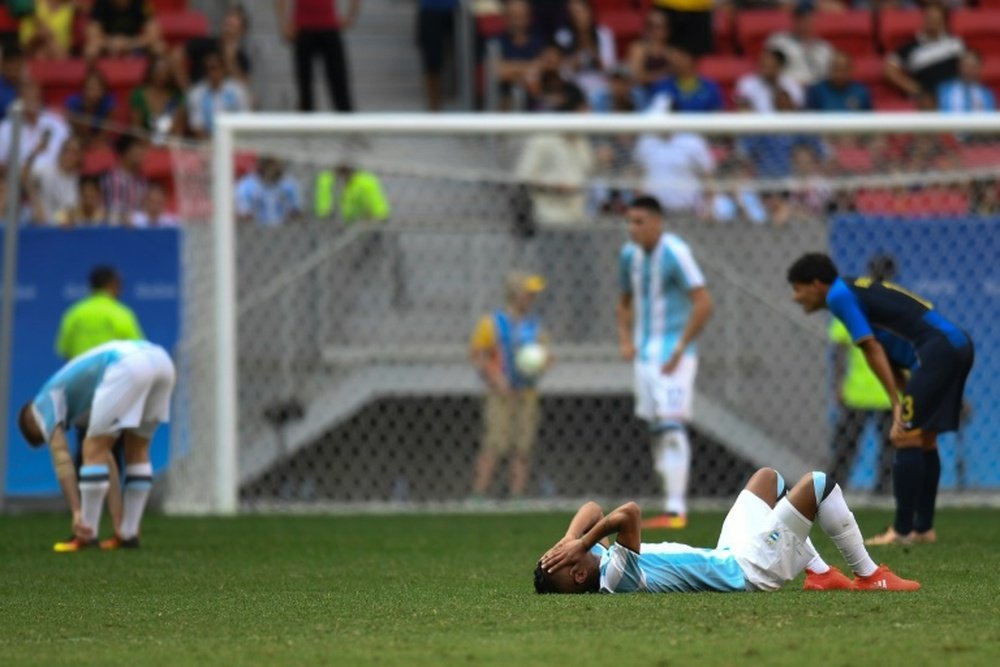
(683, 265)
(620, 572)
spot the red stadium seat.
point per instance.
(847, 31)
(179, 27)
(725, 71)
(626, 25)
(98, 160)
(123, 74)
(870, 70)
(893, 103)
(989, 4)
(979, 28)
(58, 78)
(490, 25)
(991, 71)
(161, 6)
(600, 6)
(725, 33)
(854, 159)
(753, 27)
(157, 165)
(7, 22)
(898, 26)
(978, 156)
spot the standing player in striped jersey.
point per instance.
(664, 305)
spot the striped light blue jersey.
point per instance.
(660, 283)
(66, 398)
(669, 567)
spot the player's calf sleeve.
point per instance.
(927, 500)
(907, 481)
(837, 521)
(138, 482)
(94, 486)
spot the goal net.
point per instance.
(324, 360)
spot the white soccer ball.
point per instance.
(531, 359)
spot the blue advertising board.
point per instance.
(954, 263)
(52, 273)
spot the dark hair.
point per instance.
(572, 98)
(647, 203)
(813, 266)
(778, 55)
(125, 142)
(103, 276)
(882, 267)
(91, 179)
(22, 425)
(543, 582)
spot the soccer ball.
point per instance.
(531, 359)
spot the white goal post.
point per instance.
(230, 130)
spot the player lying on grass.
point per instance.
(763, 545)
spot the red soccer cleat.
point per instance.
(883, 579)
(668, 521)
(831, 580)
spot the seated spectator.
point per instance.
(686, 89)
(929, 59)
(589, 49)
(839, 92)
(807, 56)
(984, 197)
(157, 106)
(771, 154)
(39, 127)
(188, 62)
(648, 57)
(11, 73)
(123, 27)
(815, 193)
(757, 91)
(966, 93)
(90, 211)
(435, 36)
(690, 24)
(53, 189)
(673, 167)
(154, 210)
(48, 32)
(268, 196)
(351, 194)
(124, 187)
(623, 95)
(215, 93)
(90, 110)
(545, 80)
(519, 47)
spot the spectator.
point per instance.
(313, 27)
(11, 73)
(90, 212)
(807, 56)
(686, 90)
(771, 154)
(154, 210)
(123, 27)
(53, 189)
(268, 196)
(188, 62)
(589, 49)
(90, 109)
(519, 46)
(929, 59)
(690, 24)
(435, 37)
(40, 126)
(758, 90)
(966, 93)
(673, 167)
(157, 106)
(352, 194)
(215, 93)
(546, 82)
(48, 31)
(623, 95)
(815, 192)
(648, 57)
(839, 92)
(124, 186)
(555, 168)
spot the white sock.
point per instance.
(837, 521)
(94, 487)
(816, 563)
(138, 482)
(672, 458)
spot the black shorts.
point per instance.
(932, 399)
(435, 35)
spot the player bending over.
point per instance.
(763, 545)
(122, 387)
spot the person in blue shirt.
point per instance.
(966, 93)
(268, 196)
(926, 399)
(686, 89)
(838, 92)
(764, 543)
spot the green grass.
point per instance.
(456, 590)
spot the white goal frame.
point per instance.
(230, 128)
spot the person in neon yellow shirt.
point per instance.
(97, 319)
(353, 195)
(860, 396)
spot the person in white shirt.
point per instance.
(756, 91)
(154, 211)
(807, 56)
(53, 189)
(39, 126)
(673, 167)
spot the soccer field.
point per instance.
(456, 590)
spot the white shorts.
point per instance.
(664, 398)
(134, 394)
(765, 541)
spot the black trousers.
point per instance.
(847, 435)
(328, 45)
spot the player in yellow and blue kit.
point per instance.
(664, 305)
(896, 330)
(764, 544)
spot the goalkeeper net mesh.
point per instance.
(354, 386)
